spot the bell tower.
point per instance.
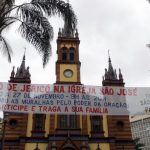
(68, 64)
(118, 126)
(69, 126)
(17, 123)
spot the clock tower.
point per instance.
(68, 64)
(67, 131)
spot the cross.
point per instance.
(24, 50)
(108, 53)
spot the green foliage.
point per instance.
(34, 25)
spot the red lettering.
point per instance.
(47, 89)
(59, 89)
(27, 88)
(107, 91)
(128, 91)
(12, 87)
(33, 108)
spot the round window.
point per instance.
(120, 124)
(13, 123)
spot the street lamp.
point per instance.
(5, 120)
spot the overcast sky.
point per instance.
(122, 26)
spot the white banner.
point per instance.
(74, 99)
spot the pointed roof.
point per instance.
(110, 77)
(13, 72)
(62, 33)
(22, 74)
(69, 143)
(66, 32)
(110, 74)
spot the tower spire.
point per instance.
(22, 67)
(22, 74)
(110, 74)
(76, 34)
(108, 53)
(110, 77)
(13, 72)
(120, 75)
(24, 52)
(110, 67)
(67, 32)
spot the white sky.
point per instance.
(122, 26)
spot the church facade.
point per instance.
(67, 132)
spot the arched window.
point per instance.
(72, 54)
(63, 121)
(64, 54)
(38, 128)
(39, 122)
(95, 123)
(68, 121)
(73, 121)
(97, 126)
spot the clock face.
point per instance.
(68, 73)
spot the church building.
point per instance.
(67, 132)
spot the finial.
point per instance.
(63, 34)
(28, 73)
(110, 68)
(13, 72)
(115, 74)
(109, 56)
(108, 53)
(24, 54)
(59, 32)
(106, 74)
(120, 75)
(76, 33)
(103, 78)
